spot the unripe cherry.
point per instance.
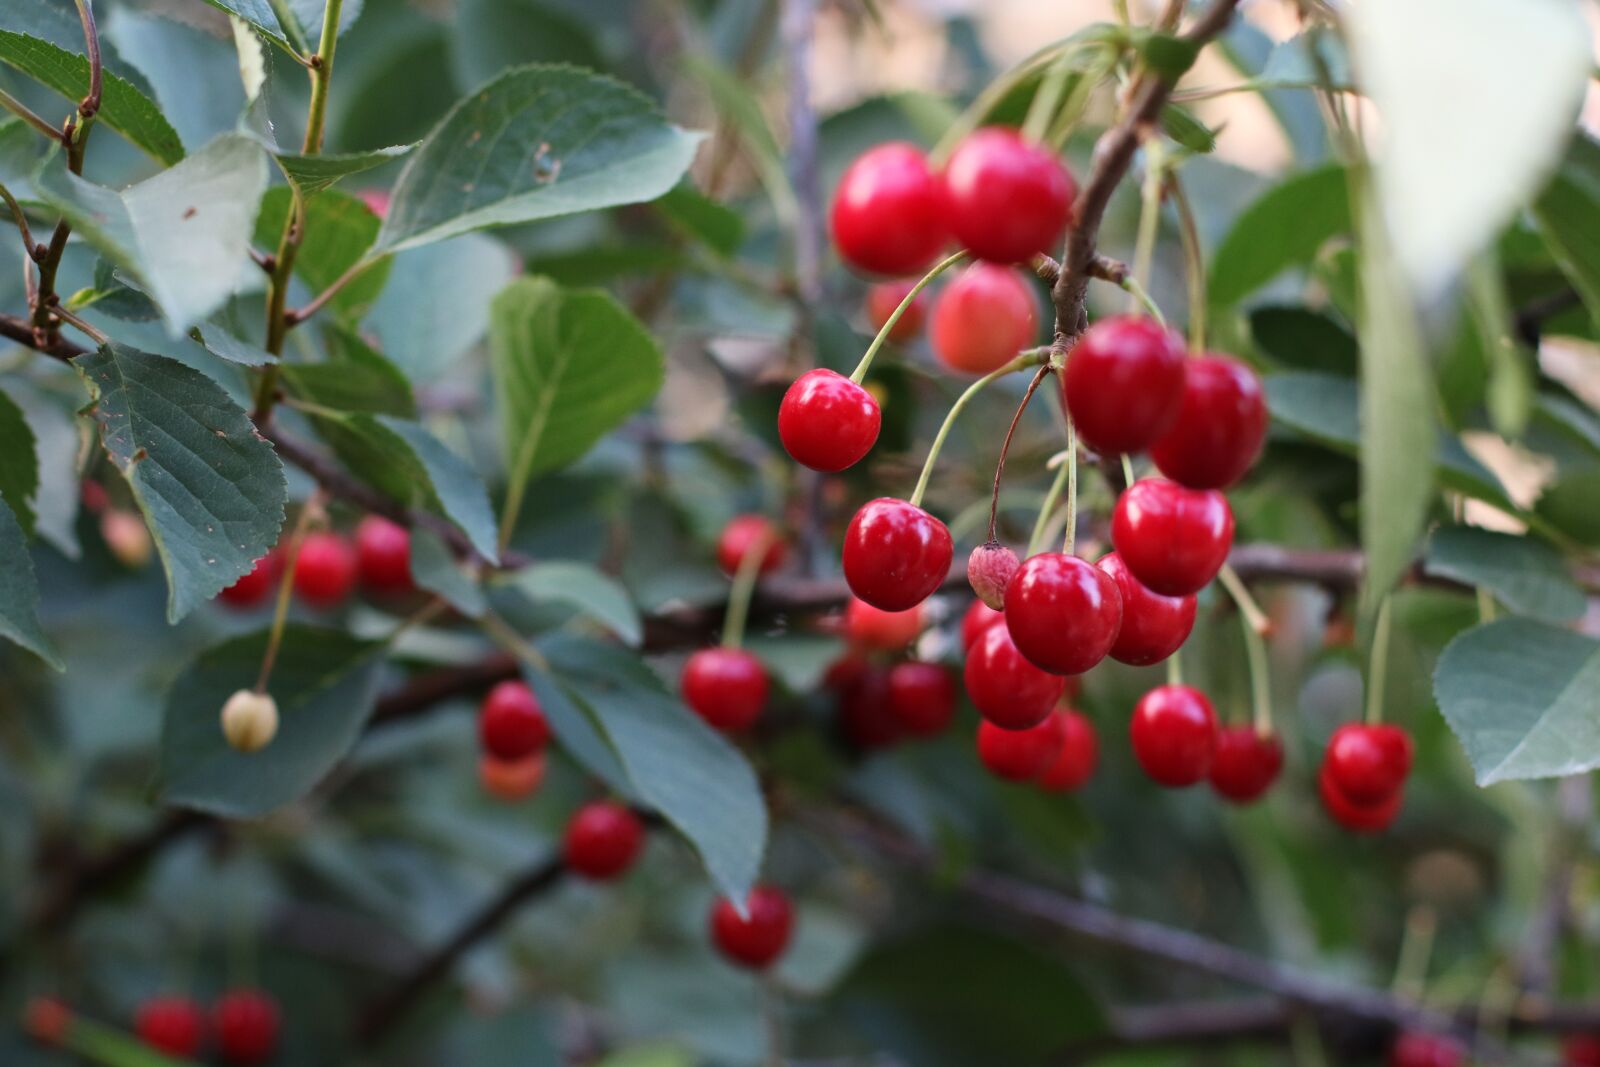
(895, 554)
(511, 780)
(884, 297)
(989, 568)
(741, 536)
(250, 720)
(756, 939)
(1020, 755)
(127, 537)
(888, 211)
(1006, 689)
(602, 840)
(883, 631)
(983, 318)
(1080, 753)
(827, 422)
(46, 1019)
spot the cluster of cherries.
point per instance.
(1363, 775)
(329, 565)
(243, 1024)
(512, 734)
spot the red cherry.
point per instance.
(827, 422)
(603, 839)
(1366, 763)
(895, 554)
(1062, 612)
(1020, 755)
(383, 555)
(1080, 752)
(256, 586)
(1153, 626)
(246, 1022)
(1124, 383)
(922, 697)
(377, 200)
(1008, 690)
(884, 297)
(1220, 425)
(885, 631)
(979, 617)
(325, 570)
(865, 717)
(45, 1019)
(1426, 1050)
(511, 724)
(760, 937)
(1581, 1050)
(727, 687)
(1358, 818)
(888, 211)
(983, 318)
(511, 780)
(1007, 199)
(1174, 540)
(741, 535)
(1246, 763)
(174, 1025)
(1174, 734)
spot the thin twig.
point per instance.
(26, 114)
(35, 251)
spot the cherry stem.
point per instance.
(1378, 665)
(1486, 609)
(1194, 262)
(1174, 670)
(744, 587)
(1149, 222)
(1005, 447)
(1030, 358)
(1127, 470)
(877, 342)
(280, 609)
(506, 636)
(1416, 947)
(1071, 542)
(1256, 625)
(1046, 100)
(1131, 285)
(1051, 498)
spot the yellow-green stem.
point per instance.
(1149, 220)
(1027, 359)
(1174, 670)
(1256, 625)
(1416, 948)
(280, 608)
(1194, 262)
(1071, 541)
(1127, 469)
(1378, 665)
(506, 636)
(1142, 299)
(877, 342)
(1051, 498)
(744, 588)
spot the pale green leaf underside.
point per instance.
(312, 174)
(1525, 575)
(435, 568)
(586, 590)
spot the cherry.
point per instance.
(1245, 764)
(1220, 425)
(174, 1025)
(603, 839)
(1007, 199)
(760, 936)
(1174, 540)
(989, 570)
(740, 537)
(383, 555)
(983, 318)
(511, 724)
(922, 697)
(511, 780)
(256, 586)
(45, 1019)
(979, 617)
(1124, 383)
(246, 1022)
(895, 554)
(1020, 755)
(1080, 752)
(827, 422)
(377, 201)
(249, 720)
(884, 297)
(1581, 1050)
(1359, 818)
(1153, 626)
(885, 631)
(126, 537)
(888, 211)
(1415, 1049)
(865, 717)
(325, 570)
(1008, 690)
(1174, 734)
(727, 687)
(1062, 612)
(1368, 764)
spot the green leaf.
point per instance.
(19, 592)
(261, 15)
(490, 36)
(224, 345)
(339, 230)
(324, 682)
(57, 442)
(569, 366)
(407, 463)
(678, 765)
(183, 235)
(537, 142)
(1572, 505)
(1302, 339)
(586, 590)
(576, 728)
(1284, 228)
(435, 304)
(355, 377)
(1525, 575)
(1325, 408)
(1568, 216)
(57, 22)
(212, 491)
(741, 110)
(312, 174)
(1181, 125)
(1521, 696)
(19, 463)
(435, 568)
(123, 107)
(691, 212)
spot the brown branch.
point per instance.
(55, 346)
(80, 877)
